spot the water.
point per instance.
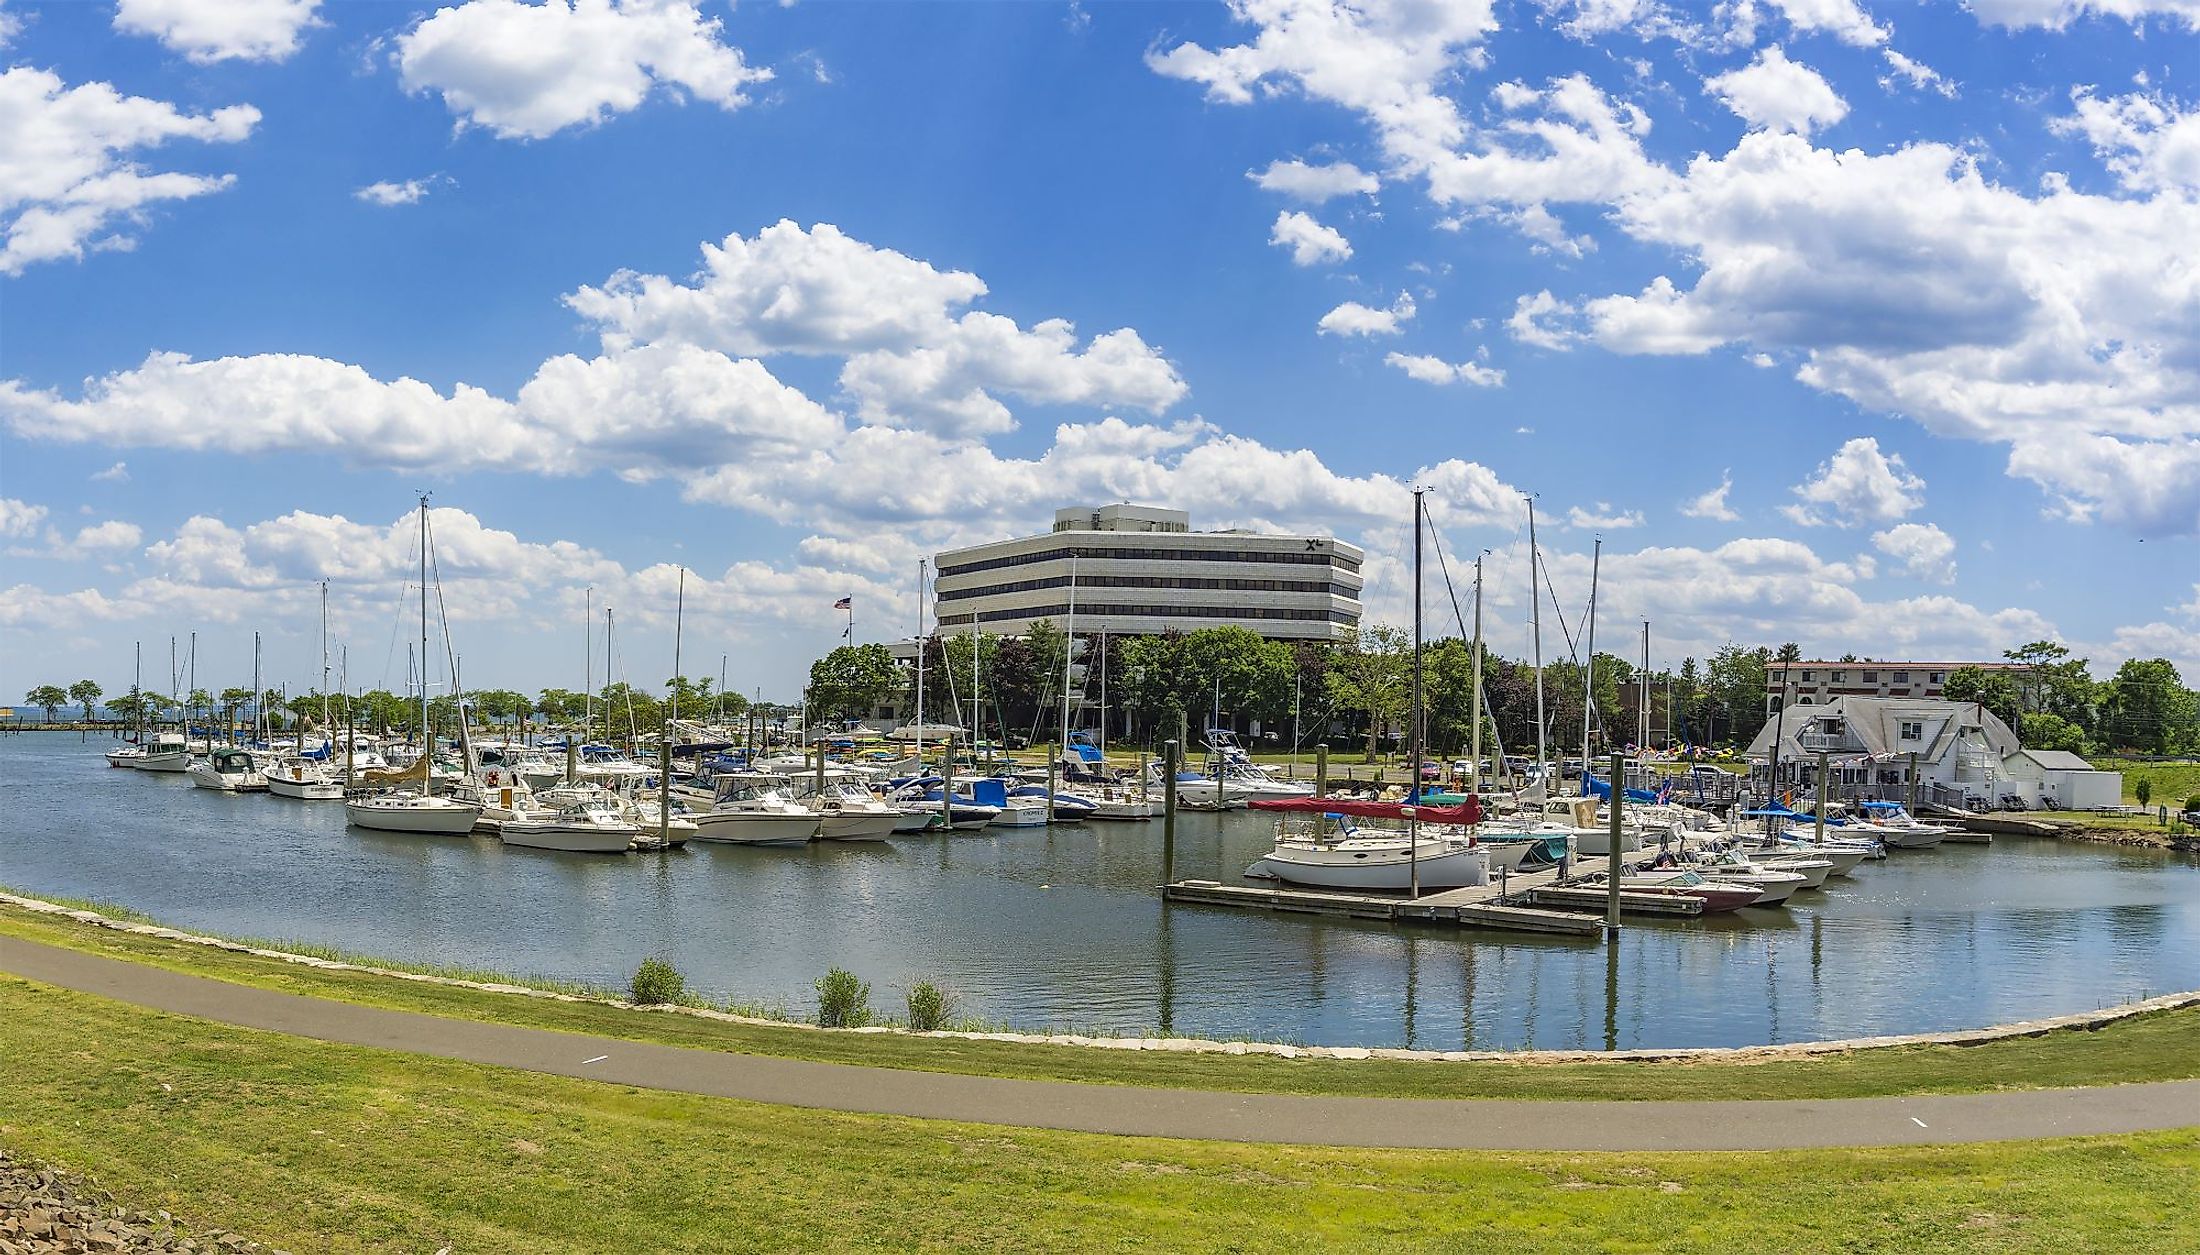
(1064, 928)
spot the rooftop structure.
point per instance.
(1816, 683)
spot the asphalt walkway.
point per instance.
(1483, 1124)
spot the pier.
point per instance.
(1520, 902)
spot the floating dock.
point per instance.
(1518, 902)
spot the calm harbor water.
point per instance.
(1063, 927)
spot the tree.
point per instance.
(2041, 731)
(2055, 683)
(199, 700)
(853, 681)
(1370, 675)
(233, 701)
(1734, 691)
(562, 706)
(131, 707)
(50, 697)
(2146, 706)
(86, 693)
(1790, 652)
(1994, 690)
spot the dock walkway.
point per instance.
(1518, 902)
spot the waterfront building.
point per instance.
(1142, 571)
(1816, 683)
(1950, 751)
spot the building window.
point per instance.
(1913, 731)
(1840, 677)
(1871, 677)
(1902, 677)
(1806, 677)
(1937, 677)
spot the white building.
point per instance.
(1956, 750)
(1816, 683)
(1141, 571)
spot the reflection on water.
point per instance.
(1064, 927)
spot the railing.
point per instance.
(1826, 741)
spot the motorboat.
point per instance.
(1196, 791)
(1334, 852)
(406, 811)
(1021, 812)
(168, 752)
(586, 827)
(1683, 883)
(230, 771)
(1897, 829)
(1068, 807)
(1774, 886)
(304, 778)
(922, 795)
(848, 812)
(755, 808)
(126, 756)
(1814, 870)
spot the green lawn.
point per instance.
(309, 1146)
(2173, 782)
(2161, 1046)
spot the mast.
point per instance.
(259, 703)
(191, 687)
(1474, 749)
(137, 691)
(664, 759)
(324, 655)
(174, 698)
(923, 564)
(977, 708)
(1642, 742)
(1069, 646)
(1535, 615)
(588, 661)
(1589, 664)
(1413, 793)
(427, 739)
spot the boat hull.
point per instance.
(1899, 840)
(1018, 814)
(566, 838)
(755, 828)
(206, 777)
(1378, 870)
(175, 761)
(432, 821)
(858, 826)
(305, 788)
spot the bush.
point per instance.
(657, 983)
(2192, 804)
(929, 1006)
(2143, 789)
(842, 1000)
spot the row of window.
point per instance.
(1872, 677)
(1059, 613)
(1294, 557)
(1155, 582)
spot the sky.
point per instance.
(1874, 327)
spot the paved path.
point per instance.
(1406, 1122)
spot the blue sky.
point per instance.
(1917, 281)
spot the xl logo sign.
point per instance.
(1314, 544)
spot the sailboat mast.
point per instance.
(1589, 664)
(588, 660)
(191, 687)
(977, 707)
(259, 706)
(324, 655)
(137, 691)
(427, 741)
(1642, 742)
(1474, 749)
(1535, 618)
(1413, 791)
(1069, 647)
(923, 564)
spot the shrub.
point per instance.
(929, 1006)
(2192, 804)
(842, 1000)
(657, 983)
(2143, 789)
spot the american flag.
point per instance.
(845, 603)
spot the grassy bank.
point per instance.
(2162, 1046)
(2173, 782)
(315, 1147)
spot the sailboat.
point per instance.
(406, 810)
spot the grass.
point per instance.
(309, 1146)
(2173, 782)
(2160, 1046)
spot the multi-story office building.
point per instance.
(1140, 571)
(1816, 683)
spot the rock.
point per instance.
(46, 1210)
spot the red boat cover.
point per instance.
(1467, 812)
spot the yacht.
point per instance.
(168, 752)
(756, 808)
(1337, 854)
(1897, 829)
(231, 771)
(583, 827)
(304, 779)
(848, 812)
(406, 811)
(125, 755)
(1682, 883)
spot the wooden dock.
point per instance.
(1519, 902)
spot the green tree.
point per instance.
(562, 706)
(86, 693)
(200, 702)
(2041, 731)
(2146, 706)
(1994, 690)
(1370, 675)
(130, 707)
(853, 681)
(1251, 674)
(1734, 692)
(234, 700)
(50, 697)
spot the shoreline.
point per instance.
(1768, 1052)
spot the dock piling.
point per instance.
(1169, 761)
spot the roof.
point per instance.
(1873, 728)
(1879, 663)
(2059, 760)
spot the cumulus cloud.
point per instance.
(1315, 184)
(68, 180)
(409, 192)
(1845, 20)
(206, 31)
(1309, 242)
(1774, 93)
(2057, 14)
(1436, 370)
(1917, 74)
(1858, 484)
(1712, 505)
(528, 71)
(119, 473)
(1355, 319)
(2148, 142)
(1540, 319)
(19, 518)
(1925, 551)
(1603, 518)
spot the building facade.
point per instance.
(1951, 753)
(1142, 571)
(1816, 683)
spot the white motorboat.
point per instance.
(1813, 870)
(413, 812)
(168, 752)
(1113, 801)
(1846, 854)
(1344, 857)
(1198, 791)
(848, 812)
(578, 828)
(304, 779)
(1021, 812)
(1774, 887)
(1897, 829)
(230, 771)
(753, 808)
(125, 756)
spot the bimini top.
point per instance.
(1466, 812)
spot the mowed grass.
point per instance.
(309, 1146)
(2160, 1046)
(2173, 782)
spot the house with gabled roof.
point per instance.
(1947, 752)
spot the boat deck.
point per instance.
(1518, 902)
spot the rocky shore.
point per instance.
(46, 1210)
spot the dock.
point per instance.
(1527, 902)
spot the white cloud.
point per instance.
(2057, 14)
(1917, 74)
(206, 31)
(1712, 505)
(1602, 518)
(66, 181)
(1436, 370)
(1315, 184)
(1310, 243)
(409, 192)
(119, 473)
(1925, 551)
(1858, 484)
(2146, 141)
(1568, 142)
(1845, 20)
(1774, 93)
(19, 518)
(1537, 320)
(1355, 319)
(528, 71)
